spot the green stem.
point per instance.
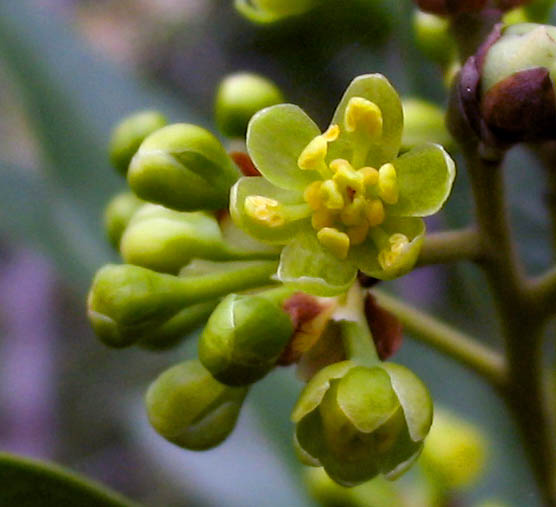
(356, 336)
(542, 291)
(196, 289)
(452, 342)
(450, 246)
(521, 323)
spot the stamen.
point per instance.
(374, 211)
(331, 195)
(312, 195)
(264, 210)
(370, 176)
(335, 241)
(388, 188)
(322, 218)
(353, 213)
(313, 155)
(346, 177)
(390, 255)
(358, 234)
(364, 116)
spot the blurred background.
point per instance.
(69, 70)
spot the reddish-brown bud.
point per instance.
(385, 328)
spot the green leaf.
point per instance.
(414, 398)
(316, 388)
(259, 186)
(366, 397)
(377, 89)
(308, 266)
(29, 483)
(425, 177)
(365, 256)
(276, 136)
(255, 14)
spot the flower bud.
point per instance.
(126, 303)
(166, 240)
(117, 215)
(359, 421)
(454, 452)
(507, 89)
(189, 408)
(450, 7)
(239, 97)
(267, 11)
(129, 134)
(433, 38)
(244, 337)
(183, 167)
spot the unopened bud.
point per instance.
(117, 215)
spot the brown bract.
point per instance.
(385, 328)
(245, 164)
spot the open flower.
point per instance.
(340, 200)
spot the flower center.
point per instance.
(352, 198)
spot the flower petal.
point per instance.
(377, 89)
(308, 266)
(276, 136)
(365, 256)
(415, 400)
(258, 186)
(425, 177)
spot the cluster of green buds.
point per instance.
(507, 91)
(269, 263)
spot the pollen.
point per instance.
(264, 210)
(388, 188)
(335, 241)
(363, 116)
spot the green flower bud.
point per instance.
(433, 38)
(267, 11)
(165, 240)
(424, 122)
(117, 215)
(244, 337)
(129, 134)
(183, 167)
(126, 303)
(359, 421)
(189, 408)
(454, 454)
(239, 97)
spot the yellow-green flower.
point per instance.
(340, 200)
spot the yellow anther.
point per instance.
(374, 211)
(332, 133)
(358, 234)
(335, 241)
(354, 213)
(339, 163)
(264, 210)
(322, 218)
(331, 196)
(370, 176)
(364, 116)
(312, 195)
(388, 188)
(313, 155)
(390, 255)
(347, 178)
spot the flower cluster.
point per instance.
(324, 206)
